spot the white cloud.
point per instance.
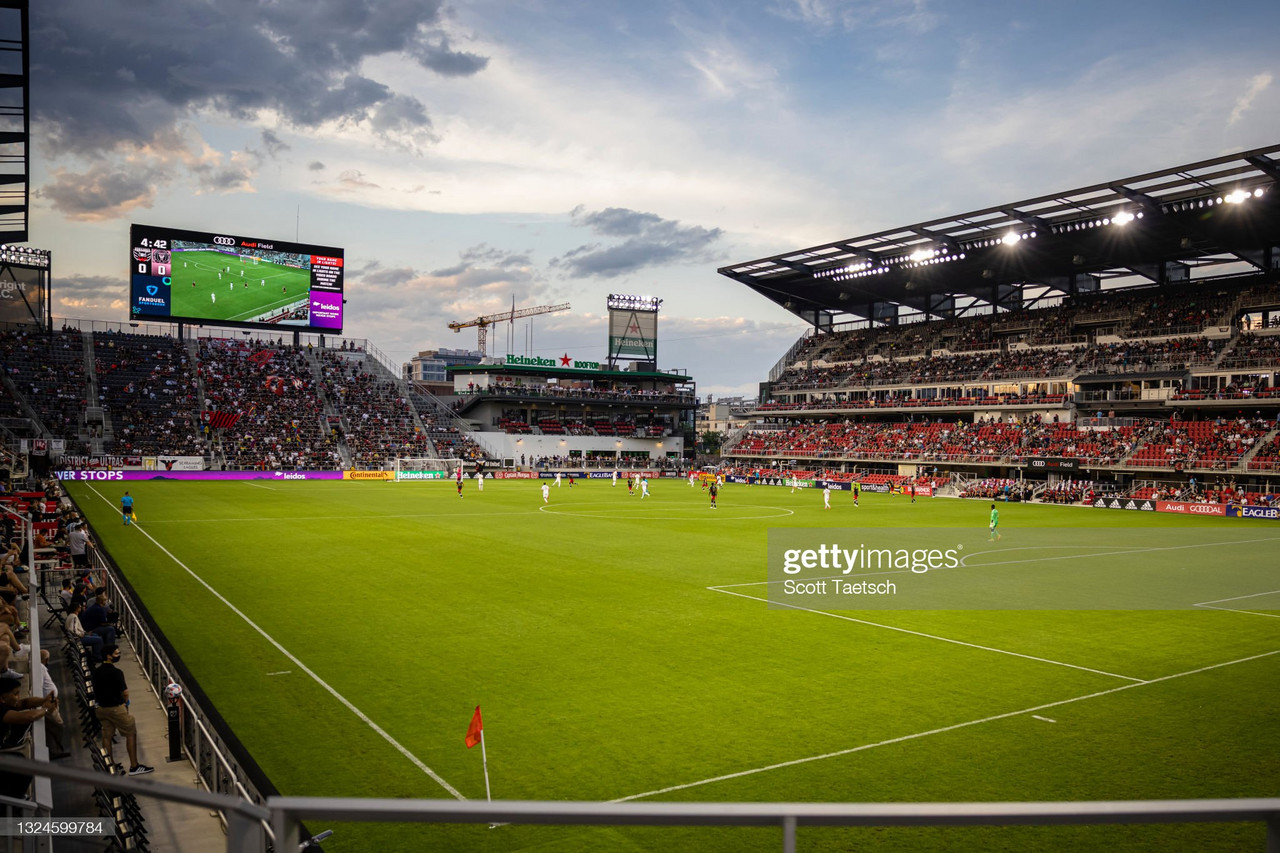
(1257, 85)
(913, 16)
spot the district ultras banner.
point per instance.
(633, 333)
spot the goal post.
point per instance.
(424, 468)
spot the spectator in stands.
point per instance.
(75, 630)
(53, 725)
(98, 618)
(112, 696)
(78, 545)
(10, 579)
(18, 713)
(9, 611)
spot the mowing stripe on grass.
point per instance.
(347, 517)
(417, 762)
(929, 636)
(942, 730)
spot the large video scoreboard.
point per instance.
(206, 277)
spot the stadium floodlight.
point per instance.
(630, 302)
(1010, 239)
(1236, 197)
(1122, 218)
(25, 255)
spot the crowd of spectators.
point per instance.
(575, 390)
(1215, 444)
(1066, 440)
(281, 422)
(148, 388)
(999, 488)
(49, 370)
(1252, 350)
(1139, 356)
(378, 422)
(1191, 444)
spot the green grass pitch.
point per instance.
(262, 287)
(602, 638)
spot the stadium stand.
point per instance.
(274, 391)
(149, 393)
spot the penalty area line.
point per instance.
(399, 747)
(1209, 605)
(941, 730)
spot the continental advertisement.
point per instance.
(368, 475)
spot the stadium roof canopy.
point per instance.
(1175, 225)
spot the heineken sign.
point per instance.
(562, 361)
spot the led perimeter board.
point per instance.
(205, 277)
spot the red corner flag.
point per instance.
(474, 730)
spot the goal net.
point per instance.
(424, 468)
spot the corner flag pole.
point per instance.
(484, 758)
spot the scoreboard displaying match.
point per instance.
(223, 279)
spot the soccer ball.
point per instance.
(173, 691)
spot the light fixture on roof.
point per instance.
(1010, 239)
(1122, 218)
(1236, 197)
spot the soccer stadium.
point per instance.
(1037, 442)
(989, 563)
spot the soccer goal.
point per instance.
(424, 468)
(249, 259)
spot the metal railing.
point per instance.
(245, 820)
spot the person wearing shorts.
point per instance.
(112, 696)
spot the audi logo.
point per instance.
(224, 241)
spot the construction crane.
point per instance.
(482, 324)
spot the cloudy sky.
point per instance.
(557, 151)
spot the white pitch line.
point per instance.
(1045, 719)
(1237, 598)
(932, 636)
(942, 730)
(1209, 605)
(281, 672)
(967, 557)
(259, 486)
(417, 762)
(1237, 610)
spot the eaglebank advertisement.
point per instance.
(1268, 513)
